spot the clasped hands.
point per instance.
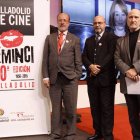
(132, 74)
(95, 69)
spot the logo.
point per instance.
(1, 112)
(11, 38)
(20, 115)
(100, 44)
(5, 119)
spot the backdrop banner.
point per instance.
(24, 102)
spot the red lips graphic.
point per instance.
(11, 38)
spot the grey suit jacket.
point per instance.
(68, 61)
(123, 60)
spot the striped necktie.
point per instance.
(97, 38)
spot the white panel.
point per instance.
(26, 112)
(101, 8)
(81, 11)
(83, 100)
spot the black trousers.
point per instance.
(133, 104)
(102, 108)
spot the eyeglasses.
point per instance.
(99, 23)
(62, 20)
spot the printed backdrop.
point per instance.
(24, 103)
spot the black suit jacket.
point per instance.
(104, 58)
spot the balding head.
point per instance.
(133, 20)
(134, 11)
(64, 15)
(63, 21)
(99, 24)
(99, 18)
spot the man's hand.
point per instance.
(131, 73)
(95, 68)
(92, 74)
(46, 83)
(136, 78)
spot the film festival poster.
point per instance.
(16, 54)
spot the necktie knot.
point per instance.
(61, 34)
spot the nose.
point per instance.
(62, 22)
(97, 24)
(120, 17)
(133, 19)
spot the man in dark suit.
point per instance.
(99, 62)
(62, 68)
(127, 60)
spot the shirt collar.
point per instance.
(101, 34)
(65, 33)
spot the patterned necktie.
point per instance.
(97, 38)
(60, 42)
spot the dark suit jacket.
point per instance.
(68, 61)
(123, 60)
(104, 58)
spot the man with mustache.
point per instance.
(127, 60)
(98, 58)
(62, 68)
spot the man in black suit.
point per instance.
(99, 62)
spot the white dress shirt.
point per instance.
(100, 35)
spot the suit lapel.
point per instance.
(54, 40)
(66, 43)
(92, 46)
(136, 49)
(93, 42)
(126, 44)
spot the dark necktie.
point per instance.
(97, 38)
(60, 42)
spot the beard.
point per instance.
(98, 30)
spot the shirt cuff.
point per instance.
(45, 78)
(89, 66)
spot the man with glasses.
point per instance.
(98, 58)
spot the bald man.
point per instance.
(98, 58)
(127, 60)
(62, 68)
